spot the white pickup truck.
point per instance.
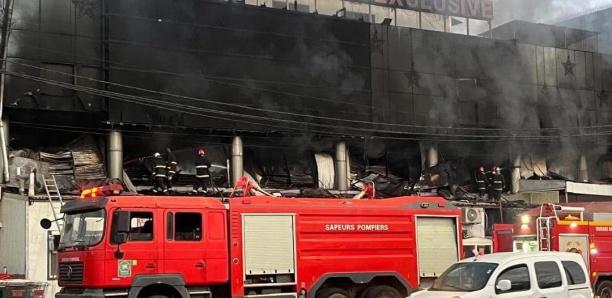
(514, 275)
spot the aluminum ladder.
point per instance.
(548, 212)
(53, 193)
(543, 230)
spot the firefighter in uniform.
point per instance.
(498, 183)
(160, 173)
(171, 165)
(202, 172)
(481, 182)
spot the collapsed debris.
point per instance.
(79, 165)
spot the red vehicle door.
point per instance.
(185, 244)
(502, 237)
(140, 251)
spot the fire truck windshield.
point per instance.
(82, 229)
(464, 277)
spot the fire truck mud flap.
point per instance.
(359, 278)
(173, 281)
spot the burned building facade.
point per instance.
(192, 73)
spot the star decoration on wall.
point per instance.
(413, 77)
(85, 7)
(603, 96)
(569, 66)
(376, 43)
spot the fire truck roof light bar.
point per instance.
(112, 189)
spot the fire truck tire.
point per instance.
(382, 292)
(333, 293)
(605, 287)
(365, 293)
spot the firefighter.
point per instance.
(202, 172)
(481, 182)
(159, 173)
(498, 183)
(171, 165)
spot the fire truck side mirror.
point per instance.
(121, 237)
(121, 221)
(45, 223)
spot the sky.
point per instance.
(536, 11)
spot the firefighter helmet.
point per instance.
(201, 152)
(157, 155)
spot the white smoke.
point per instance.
(540, 11)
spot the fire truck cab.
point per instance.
(556, 227)
(254, 246)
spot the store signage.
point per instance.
(473, 9)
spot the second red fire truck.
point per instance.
(254, 246)
(556, 227)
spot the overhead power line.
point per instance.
(512, 131)
(190, 110)
(296, 95)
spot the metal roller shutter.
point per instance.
(268, 244)
(436, 244)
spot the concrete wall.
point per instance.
(23, 243)
(37, 260)
(13, 235)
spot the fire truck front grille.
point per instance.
(71, 273)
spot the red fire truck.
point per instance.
(253, 246)
(556, 227)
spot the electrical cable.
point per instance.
(514, 137)
(276, 119)
(276, 91)
(138, 134)
(253, 108)
(189, 110)
(190, 140)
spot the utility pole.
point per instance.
(6, 29)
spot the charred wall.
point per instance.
(200, 64)
(269, 60)
(218, 61)
(433, 78)
(54, 40)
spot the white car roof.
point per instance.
(504, 257)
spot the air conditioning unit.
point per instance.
(472, 215)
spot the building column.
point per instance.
(115, 155)
(516, 173)
(432, 154)
(4, 138)
(341, 174)
(236, 166)
(583, 174)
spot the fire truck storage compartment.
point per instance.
(269, 244)
(578, 243)
(436, 244)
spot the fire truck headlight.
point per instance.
(593, 251)
(573, 225)
(525, 219)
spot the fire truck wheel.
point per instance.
(383, 292)
(333, 293)
(604, 289)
